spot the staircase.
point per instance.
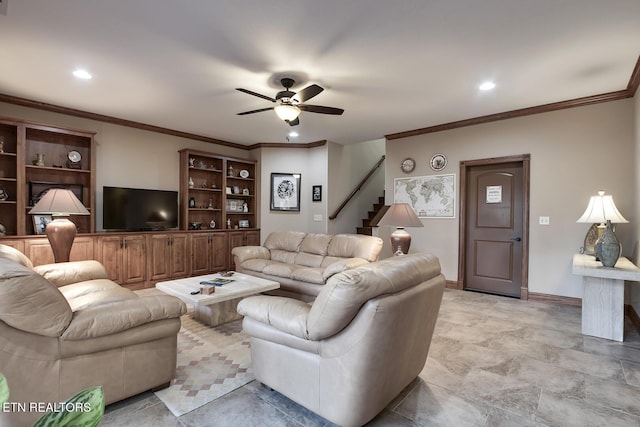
(378, 211)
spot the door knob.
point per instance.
(517, 239)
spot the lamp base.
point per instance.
(400, 241)
(61, 233)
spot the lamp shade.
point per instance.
(287, 112)
(400, 215)
(600, 209)
(59, 202)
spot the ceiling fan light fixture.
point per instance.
(287, 112)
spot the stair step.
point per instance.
(365, 230)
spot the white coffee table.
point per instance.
(220, 306)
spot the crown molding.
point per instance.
(629, 92)
(24, 102)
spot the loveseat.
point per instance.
(65, 327)
(303, 262)
(363, 340)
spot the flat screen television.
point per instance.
(138, 209)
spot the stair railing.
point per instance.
(358, 187)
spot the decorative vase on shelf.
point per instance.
(608, 247)
(191, 183)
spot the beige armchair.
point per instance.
(364, 338)
(65, 327)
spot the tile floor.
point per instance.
(494, 361)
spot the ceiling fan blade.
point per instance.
(268, 98)
(307, 93)
(322, 110)
(294, 122)
(255, 111)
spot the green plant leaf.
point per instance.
(4, 390)
(85, 409)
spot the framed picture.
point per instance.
(243, 223)
(316, 194)
(40, 223)
(37, 189)
(285, 192)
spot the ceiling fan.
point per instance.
(289, 104)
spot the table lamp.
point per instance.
(400, 215)
(600, 210)
(60, 203)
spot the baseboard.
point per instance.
(555, 299)
(451, 284)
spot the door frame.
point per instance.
(525, 159)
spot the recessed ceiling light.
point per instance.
(293, 134)
(487, 86)
(82, 74)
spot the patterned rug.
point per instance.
(212, 361)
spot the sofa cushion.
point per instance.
(15, 255)
(286, 257)
(284, 240)
(280, 269)
(355, 246)
(95, 292)
(30, 302)
(309, 274)
(344, 294)
(309, 260)
(316, 243)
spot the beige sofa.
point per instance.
(303, 262)
(364, 338)
(65, 327)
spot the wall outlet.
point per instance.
(544, 220)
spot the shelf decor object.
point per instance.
(602, 210)
(60, 203)
(400, 215)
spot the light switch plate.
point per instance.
(544, 220)
(317, 217)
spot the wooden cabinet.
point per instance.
(33, 159)
(10, 217)
(39, 251)
(169, 256)
(124, 257)
(209, 253)
(216, 188)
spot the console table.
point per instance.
(603, 300)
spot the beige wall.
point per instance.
(348, 165)
(312, 165)
(574, 153)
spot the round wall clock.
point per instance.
(73, 159)
(438, 162)
(408, 165)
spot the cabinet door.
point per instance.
(200, 254)
(135, 262)
(252, 238)
(109, 253)
(180, 251)
(159, 256)
(236, 238)
(219, 252)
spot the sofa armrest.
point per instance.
(66, 273)
(243, 253)
(342, 265)
(285, 314)
(111, 318)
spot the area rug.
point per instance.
(212, 361)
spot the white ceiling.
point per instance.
(393, 66)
